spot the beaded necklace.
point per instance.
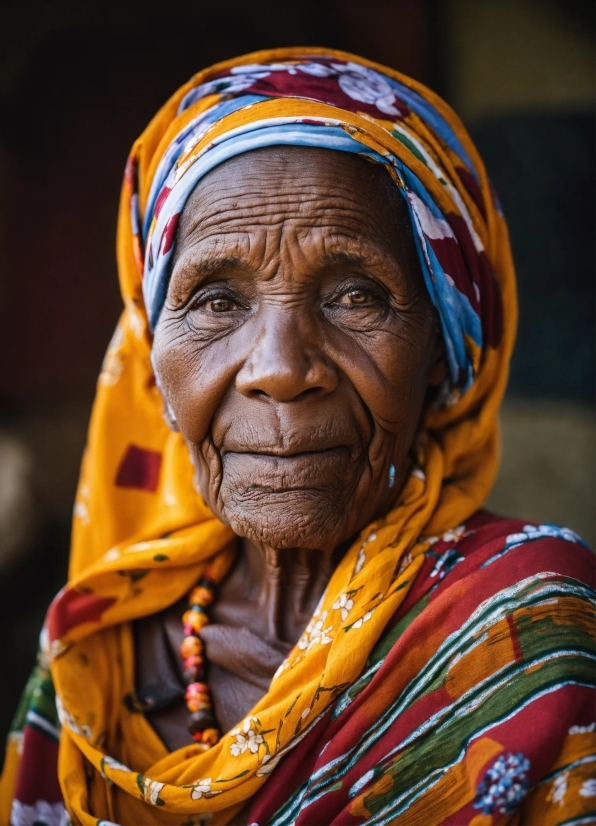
(202, 724)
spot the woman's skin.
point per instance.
(295, 350)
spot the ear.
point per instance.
(168, 414)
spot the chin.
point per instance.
(289, 519)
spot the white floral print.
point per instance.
(316, 633)
(582, 729)
(588, 788)
(531, 532)
(360, 560)
(50, 814)
(112, 764)
(67, 719)
(559, 789)
(283, 667)
(367, 86)
(203, 787)
(247, 738)
(151, 790)
(452, 535)
(345, 605)
(81, 509)
(359, 622)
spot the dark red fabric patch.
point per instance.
(72, 608)
(37, 778)
(299, 84)
(139, 469)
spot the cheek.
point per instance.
(390, 373)
(194, 376)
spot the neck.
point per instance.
(286, 585)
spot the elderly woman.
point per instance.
(284, 604)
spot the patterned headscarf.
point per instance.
(142, 536)
(457, 272)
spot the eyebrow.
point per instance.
(350, 258)
(212, 264)
(207, 266)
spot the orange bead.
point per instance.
(191, 647)
(201, 596)
(195, 620)
(210, 736)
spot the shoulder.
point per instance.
(504, 578)
(496, 553)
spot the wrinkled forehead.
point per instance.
(314, 187)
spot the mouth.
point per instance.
(285, 454)
(281, 470)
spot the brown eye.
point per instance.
(220, 305)
(358, 297)
(355, 298)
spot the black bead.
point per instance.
(200, 720)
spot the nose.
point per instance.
(287, 362)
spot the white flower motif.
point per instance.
(582, 729)
(112, 764)
(50, 814)
(283, 667)
(247, 738)
(305, 713)
(315, 633)
(367, 86)
(135, 321)
(455, 534)
(363, 619)
(203, 787)
(151, 790)
(559, 789)
(316, 69)
(360, 560)
(67, 719)
(239, 79)
(345, 604)
(588, 788)
(531, 532)
(170, 497)
(404, 562)
(81, 511)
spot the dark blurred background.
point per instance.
(78, 83)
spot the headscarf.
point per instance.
(142, 534)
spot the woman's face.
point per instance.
(297, 344)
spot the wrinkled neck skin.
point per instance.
(274, 592)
